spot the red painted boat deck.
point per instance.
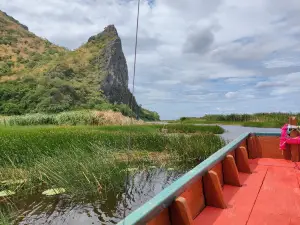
(270, 195)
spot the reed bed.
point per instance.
(80, 158)
(257, 117)
(271, 124)
(25, 145)
(275, 120)
(106, 120)
(70, 118)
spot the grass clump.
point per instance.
(33, 119)
(6, 217)
(8, 212)
(271, 124)
(186, 128)
(79, 172)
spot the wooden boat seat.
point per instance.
(185, 208)
(189, 204)
(208, 190)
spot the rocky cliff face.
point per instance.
(38, 76)
(115, 83)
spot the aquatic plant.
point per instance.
(54, 191)
(6, 193)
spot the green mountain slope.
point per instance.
(38, 76)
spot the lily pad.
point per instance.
(11, 182)
(132, 169)
(6, 193)
(152, 167)
(54, 191)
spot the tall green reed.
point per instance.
(257, 117)
(77, 158)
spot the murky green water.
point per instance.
(60, 209)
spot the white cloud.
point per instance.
(285, 62)
(287, 85)
(264, 84)
(193, 56)
(168, 82)
(231, 94)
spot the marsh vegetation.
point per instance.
(91, 162)
(265, 120)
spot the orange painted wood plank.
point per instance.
(273, 219)
(213, 190)
(280, 177)
(162, 219)
(272, 162)
(180, 212)
(295, 221)
(297, 164)
(269, 147)
(239, 200)
(230, 172)
(219, 170)
(194, 197)
(278, 201)
(269, 219)
(242, 160)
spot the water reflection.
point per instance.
(142, 186)
(233, 131)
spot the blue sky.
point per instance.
(194, 57)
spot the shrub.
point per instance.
(31, 64)
(5, 68)
(61, 71)
(10, 109)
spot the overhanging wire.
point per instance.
(132, 109)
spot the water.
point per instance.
(58, 210)
(142, 186)
(233, 131)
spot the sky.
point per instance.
(194, 57)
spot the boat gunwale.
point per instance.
(164, 198)
(267, 134)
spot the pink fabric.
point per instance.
(293, 141)
(285, 139)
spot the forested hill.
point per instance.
(38, 76)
